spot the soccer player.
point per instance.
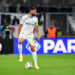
(25, 32)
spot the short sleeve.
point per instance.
(22, 20)
(36, 22)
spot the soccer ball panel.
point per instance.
(28, 65)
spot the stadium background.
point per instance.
(61, 14)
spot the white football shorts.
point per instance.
(29, 38)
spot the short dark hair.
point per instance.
(32, 8)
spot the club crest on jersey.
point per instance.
(36, 44)
(26, 18)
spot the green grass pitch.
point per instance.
(49, 65)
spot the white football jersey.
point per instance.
(28, 24)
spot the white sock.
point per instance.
(34, 57)
(20, 49)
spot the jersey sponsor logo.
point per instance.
(36, 44)
(0, 47)
(29, 23)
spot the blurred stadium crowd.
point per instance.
(22, 5)
(58, 14)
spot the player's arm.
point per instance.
(20, 25)
(37, 31)
(19, 29)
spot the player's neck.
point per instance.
(29, 15)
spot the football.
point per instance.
(28, 65)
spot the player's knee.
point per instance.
(20, 42)
(33, 49)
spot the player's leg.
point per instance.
(31, 44)
(20, 41)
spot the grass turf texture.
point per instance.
(49, 65)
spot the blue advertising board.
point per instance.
(48, 46)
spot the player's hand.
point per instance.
(38, 38)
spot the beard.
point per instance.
(33, 15)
